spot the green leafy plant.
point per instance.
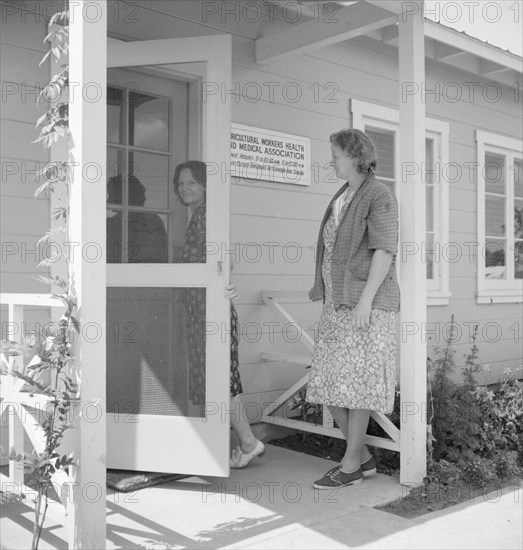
(474, 430)
(47, 367)
(309, 412)
(501, 411)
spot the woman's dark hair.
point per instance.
(136, 190)
(198, 170)
(358, 145)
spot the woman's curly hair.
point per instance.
(358, 145)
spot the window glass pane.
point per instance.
(518, 179)
(385, 146)
(495, 216)
(430, 256)
(152, 173)
(148, 121)
(147, 237)
(429, 161)
(494, 173)
(114, 225)
(114, 236)
(495, 267)
(518, 259)
(430, 207)
(518, 218)
(114, 174)
(115, 114)
(156, 351)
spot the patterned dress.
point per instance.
(194, 299)
(235, 382)
(351, 367)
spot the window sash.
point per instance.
(509, 288)
(367, 116)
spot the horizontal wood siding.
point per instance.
(24, 219)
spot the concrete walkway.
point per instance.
(271, 504)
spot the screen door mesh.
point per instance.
(155, 351)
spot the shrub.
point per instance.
(501, 413)
(506, 464)
(475, 471)
(478, 429)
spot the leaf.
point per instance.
(35, 361)
(76, 324)
(46, 237)
(46, 186)
(59, 213)
(44, 58)
(42, 119)
(46, 262)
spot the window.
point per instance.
(137, 190)
(500, 218)
(381, 124)
(385, 142)
(147, 135)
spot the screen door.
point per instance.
(167, 317)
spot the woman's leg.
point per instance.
(241, 426)
(354, 422)
(358, 420)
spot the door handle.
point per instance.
(219, 265)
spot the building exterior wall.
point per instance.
(495, 109)
(274, 225)
(309, 96)
(23, 219)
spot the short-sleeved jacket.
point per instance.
(370, 222)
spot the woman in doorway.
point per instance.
(353, 367)
(190, 182)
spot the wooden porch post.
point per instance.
(412, 233)
(87, 111)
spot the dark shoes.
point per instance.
(368, 467)
(339, 478)
(336, 477)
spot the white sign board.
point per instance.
(259, 154)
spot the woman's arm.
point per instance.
(379, 267)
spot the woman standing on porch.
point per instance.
(190, 182)
(353, 366)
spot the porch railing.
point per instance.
(21, 410)
(275, 300)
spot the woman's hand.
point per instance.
(361, 314)
(379, 267)
(230, 292)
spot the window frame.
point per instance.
(387, 119)
(508, 290)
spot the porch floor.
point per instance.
(271, 504)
